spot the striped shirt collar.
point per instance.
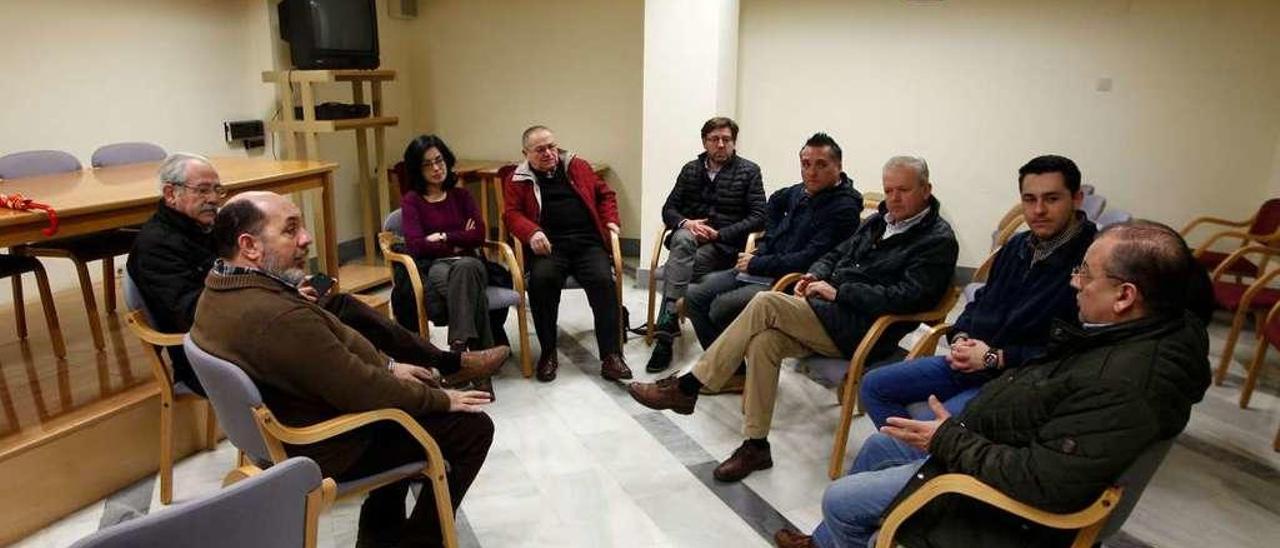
(223, 268)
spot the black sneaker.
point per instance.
(666, 328)
(660, 359)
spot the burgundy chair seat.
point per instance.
(1272, 333)
(1228, 296)
(1242, 267)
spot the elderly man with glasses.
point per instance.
(174, 252)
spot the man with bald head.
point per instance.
(174, 251)
(310, 368)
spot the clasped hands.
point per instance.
(702, 232)
(810, 286)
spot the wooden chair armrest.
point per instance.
(786, 281)
(615, 248)
(340, 425)
(1199, 250)
(139, 326)
(928, 344)
(971, 487)
(508, 257)
(984, 270)
(518, 247)
(1008, 230)
(1240, 254)
(386, 240)
(752, 238)
(1213, 221)
(656, 257)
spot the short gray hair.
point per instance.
(173, 171)
(914, 163)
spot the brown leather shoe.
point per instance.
(746, 459)
(613, 368)
(479, 364)
(735, 385)
(787, 538)
(664, 394)
(547, 365)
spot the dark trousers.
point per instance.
(455, 297)
(388, 336)
(464, 440)
(589, 265)
(715, 301)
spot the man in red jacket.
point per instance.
(572, 241)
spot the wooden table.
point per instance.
(93, 200)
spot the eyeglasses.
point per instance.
(552, 147)
(202, 191)
(426, 162)
(1082, 271)
(716, 140)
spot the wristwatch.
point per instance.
(991, 360)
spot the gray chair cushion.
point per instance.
(133, 298)
(1134, 480)
(501, 297)
(267, 510)
(37, 162)
(827, 371)
(126, 153)
(394, 223)
(402, 471)
(1111, 217)
(233, 396)
(1093, 205)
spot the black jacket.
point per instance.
(1057, 432)
(733, 204)
(800, 228)
(905, 274)
(169, 261)
(1016, 308)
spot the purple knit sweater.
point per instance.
(449, 216)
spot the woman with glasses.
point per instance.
(443, 231)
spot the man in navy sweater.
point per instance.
(1008, 321)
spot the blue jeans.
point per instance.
(886, 391)
(852, 505)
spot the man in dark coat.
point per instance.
(174, 252)
(717, 201)
(899, 261)
(1058, 431)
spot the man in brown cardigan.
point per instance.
(310, 367)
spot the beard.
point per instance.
(285, 268)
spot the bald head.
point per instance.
(263, 230)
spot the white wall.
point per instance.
(978, 87)
(690, 75)
(484, 71)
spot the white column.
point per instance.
(690, 75)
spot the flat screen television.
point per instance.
(330, 34)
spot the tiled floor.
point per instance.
(577, 463)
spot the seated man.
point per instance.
(174, 252)
(574, 241)
(1008, 321)
(1059, 430)
(717, 201)
(310, 368)
(804, 222)
(899, 261)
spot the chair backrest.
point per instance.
(268, 509)
(401, 179)
(133, 297)
(37, 162)
(118, 154)
(1267, 221)
(394, 223)
(1086, 189)
(1093, 205)
(1111, 217)
(1134, 480)
(234, 397)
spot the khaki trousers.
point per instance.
(774, 326)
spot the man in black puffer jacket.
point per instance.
(900, 261)
(717, 201)
(1057, 432)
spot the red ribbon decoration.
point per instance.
(22, 203)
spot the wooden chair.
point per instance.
(1244, 299)
(390, 241)
(658, 272)
(140, 322)
(13, 267)
(1095, 523)
(1262, 228)
(1268, 334)
(856, 366)
(255, 431)
(279, 507)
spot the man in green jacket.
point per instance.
(1057, 432)
(310, 367)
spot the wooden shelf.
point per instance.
(357, 277)
(379, 75)
(330, 126)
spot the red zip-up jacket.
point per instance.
(523, 209)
